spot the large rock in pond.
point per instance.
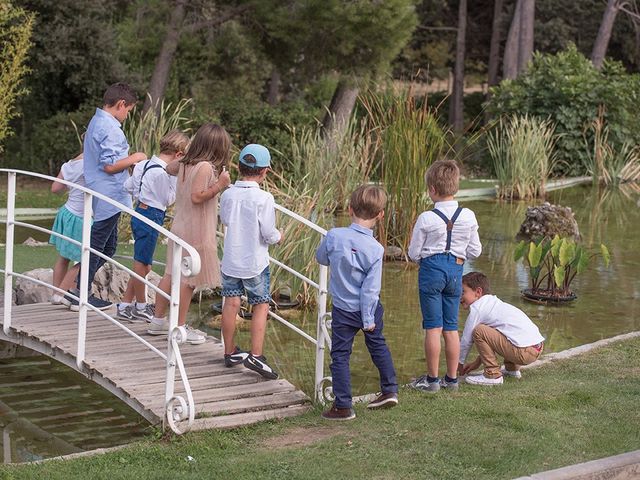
(548, 220)
(30, 292)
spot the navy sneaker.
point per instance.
(424, 385)
(93, 301)
(235, 357)
(259, 364)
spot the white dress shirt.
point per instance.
(512, 322)
(430, 234)
(250, 217)
(158, 187)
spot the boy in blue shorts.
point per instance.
(355, 258)
(154, 190)
(106, 164)
(249, 214)
(443, 239)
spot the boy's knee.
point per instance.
(232, 302)
(478, 332)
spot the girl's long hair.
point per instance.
(212, 144)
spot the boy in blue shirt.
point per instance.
(106, 164)
(355, 278)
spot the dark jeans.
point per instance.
(104, 239)
(344, 327)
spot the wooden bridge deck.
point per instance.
(224, 397)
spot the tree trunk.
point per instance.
(273, 95)
(337, 117)
(604, 34)
(525, 43)
(510, 57)
(456, 107)
(494, 49)
(160, 76)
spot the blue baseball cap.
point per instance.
(255, 156)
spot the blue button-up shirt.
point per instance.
(355, 258)
(105, 144)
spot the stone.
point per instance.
(30, 292)
(393, 253)
(548, 220)
(31, 242)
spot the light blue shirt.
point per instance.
(105, 144)
(355, 278)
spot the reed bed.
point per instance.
(522, 150)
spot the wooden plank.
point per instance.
(231, 421)
(223, 381)
(227, 407)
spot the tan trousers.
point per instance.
(490, 342)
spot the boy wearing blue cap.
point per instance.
(249, 214)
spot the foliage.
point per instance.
(553, 264)
(521, 148)
(567, 89)
(15, 32)
(606, 163)
(410, 140)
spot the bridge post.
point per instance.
(84, 278)
(320, 345)
(8, 252)
(174, 309)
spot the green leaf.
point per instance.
(519, 251)
(556, 243)
(606, 256)
(558, 275)
(567, 252)
(535, 273)
(535, 254)
(583, 261)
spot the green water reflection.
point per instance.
(608, 299)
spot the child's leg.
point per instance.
(344, 327)
(258, 296)
(432, 350)
(259, 315)
(186, 294)
(450, 306)
(139, 288)
(104, 239)
(229, 312)
(69, 280)
(381, 355)
(162, 303)
(488, 342)
(60, 270)
(452, 351)
(510, 366)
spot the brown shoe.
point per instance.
(335, 413)
(384, 400)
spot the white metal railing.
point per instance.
(177, 409)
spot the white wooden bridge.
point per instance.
(187, 387)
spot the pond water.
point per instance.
(47, 409)
(608, 299)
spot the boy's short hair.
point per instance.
(444, 177)
(174, 142)
(119, 91)
(475, 280)
(247, 171)
(367, 201)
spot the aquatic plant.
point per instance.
(522, 151)
(554, 264)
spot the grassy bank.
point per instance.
(569, 412)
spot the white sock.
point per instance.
(158, 321)
(122, 305)
(140, 306)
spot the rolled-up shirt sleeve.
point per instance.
(418, 238)
(322, 253)
(467, 335)
(111, 147)
(474, 248)
(370, 293)
(268, 231)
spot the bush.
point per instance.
(568, 90)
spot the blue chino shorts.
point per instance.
(145, 236)
(440, 289)
(257, 288)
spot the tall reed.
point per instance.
(522, 150)
(409, 141)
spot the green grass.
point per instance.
(573, 411)
(34, 197)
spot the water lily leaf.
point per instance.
(582, 261)
(567, 252)
(558, 275)
(535, 254)
(519, 251)
(606, 256)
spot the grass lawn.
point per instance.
(31, 193)
(569, 412)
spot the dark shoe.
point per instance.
(235, 357)
(424, 385)
(384, 400)
(335, 413)
(94, 302)
(67, 300)
(449, 385)
(259, 364)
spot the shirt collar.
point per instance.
(246, 184)
(158, 160)
(106, 115)
(361, 229)
(448, 203)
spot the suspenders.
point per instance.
(147, 166)
(449, 224)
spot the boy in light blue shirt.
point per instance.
(355, 258)
(106, 164)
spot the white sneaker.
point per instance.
(510, 373)
(158, 326)
(194, 338)
(56, 299)
(482, 380)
